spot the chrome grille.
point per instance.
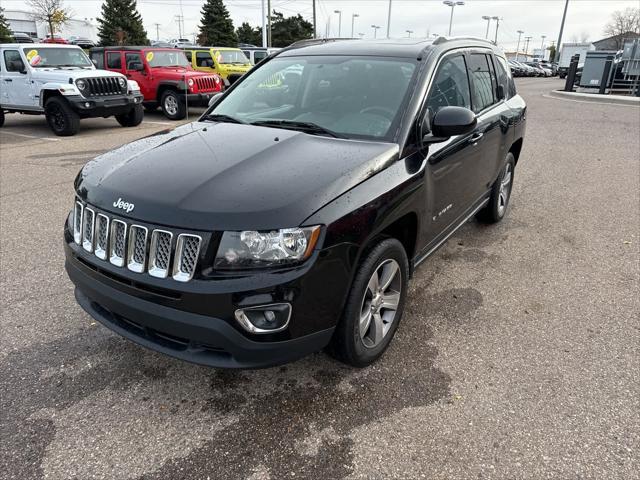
(117, 243)
(137, 248)
(77, 222)
(160, 253)
(187, 250)
(87, 229)
(102, 236)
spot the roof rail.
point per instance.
(441, 39)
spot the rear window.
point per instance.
(98, 59)
(114, 60)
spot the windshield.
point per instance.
(356, 97)
(165, 58)
(57, 57)
(232, 56)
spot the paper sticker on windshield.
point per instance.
(31, 54)
(149, 56)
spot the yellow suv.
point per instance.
(228, 63)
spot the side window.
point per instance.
(482, 83)
(259, 55)
(188, 54)
(504, 77)
(98, 59)
(12, 61)
(450, 86)
(114, 60)
(131, 58)
(204, 59)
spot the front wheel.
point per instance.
(500, 194)
(132, 118)
(173, 105)
(374, 306)
(62, 120)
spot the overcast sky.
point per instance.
(585, 18)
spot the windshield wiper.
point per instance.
(218, 117)
(306, 127)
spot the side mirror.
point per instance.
(213, 100)
(450, 121)
(17, 66)
(500, 92)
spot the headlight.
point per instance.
(81, 84)
(190, 82)
(253, 249)
(122, 81)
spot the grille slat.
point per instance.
(104, 86)
(135, 246)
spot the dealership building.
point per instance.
(21, 21)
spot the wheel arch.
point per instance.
(516, 148)
(46, 94)
(177, 87)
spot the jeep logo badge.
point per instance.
(126, 206)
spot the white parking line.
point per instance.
(592, 102)
(49, 139)
(159, 123)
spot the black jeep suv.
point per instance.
(292, 214)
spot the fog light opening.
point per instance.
(264, 318)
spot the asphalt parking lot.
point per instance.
(518, 356)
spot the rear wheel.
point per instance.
(500, 194)
(132, 118)
(374, 307)
(173, 105)
(62, 120)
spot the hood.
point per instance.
(63, 75)
(223, 176)
(179, 72)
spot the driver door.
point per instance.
(17, 87)
(140, 76)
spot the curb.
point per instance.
(596, 98)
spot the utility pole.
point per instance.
(353, 17)
(264, 23)
(526, 48)
(157, 31)
(269, 23)
(179, 20)
(389, 19)
(315, 26)
(564, 16)
(497, 19)
(520, 32)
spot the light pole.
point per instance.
(389, 19)
(452, 4)
(409, 32)
(497, 19)
(375, 30)
(339, 12)
(564, 16)
(361, 35)
(488, 19)
(542, 46)
(520, 32)
(353, 17)
(526, 48)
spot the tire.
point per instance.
(133, 118)
(62, 120)
(361, 345)
(500, 193)
(173, 105)
(1, 118)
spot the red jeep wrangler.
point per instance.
(165, 76)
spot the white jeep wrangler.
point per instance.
(61, 82)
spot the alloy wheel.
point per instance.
(505, 189)
(171, 105)
(380, 303)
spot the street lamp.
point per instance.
(375, 30)
(488, 19)
(452, 4)
(542, 46)
(353, 17)
(497, 19)
(520, 32)
(339, 12)
(409, 32)
(361, 35)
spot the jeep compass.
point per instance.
(291, 216)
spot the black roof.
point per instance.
(405, 47)
(130, 48)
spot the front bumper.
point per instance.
(200, 99)
(104, 106)
(194, 321)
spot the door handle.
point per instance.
(475, 137)
(8, 80)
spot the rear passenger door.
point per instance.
(491, 130)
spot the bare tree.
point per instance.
(51, 11)
(623, 21)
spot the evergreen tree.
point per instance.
(5, 32)
(121, 24)
(285, 31)
(216, 27)
(247, 34)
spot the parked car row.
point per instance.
(82, 42)
(532, 69)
